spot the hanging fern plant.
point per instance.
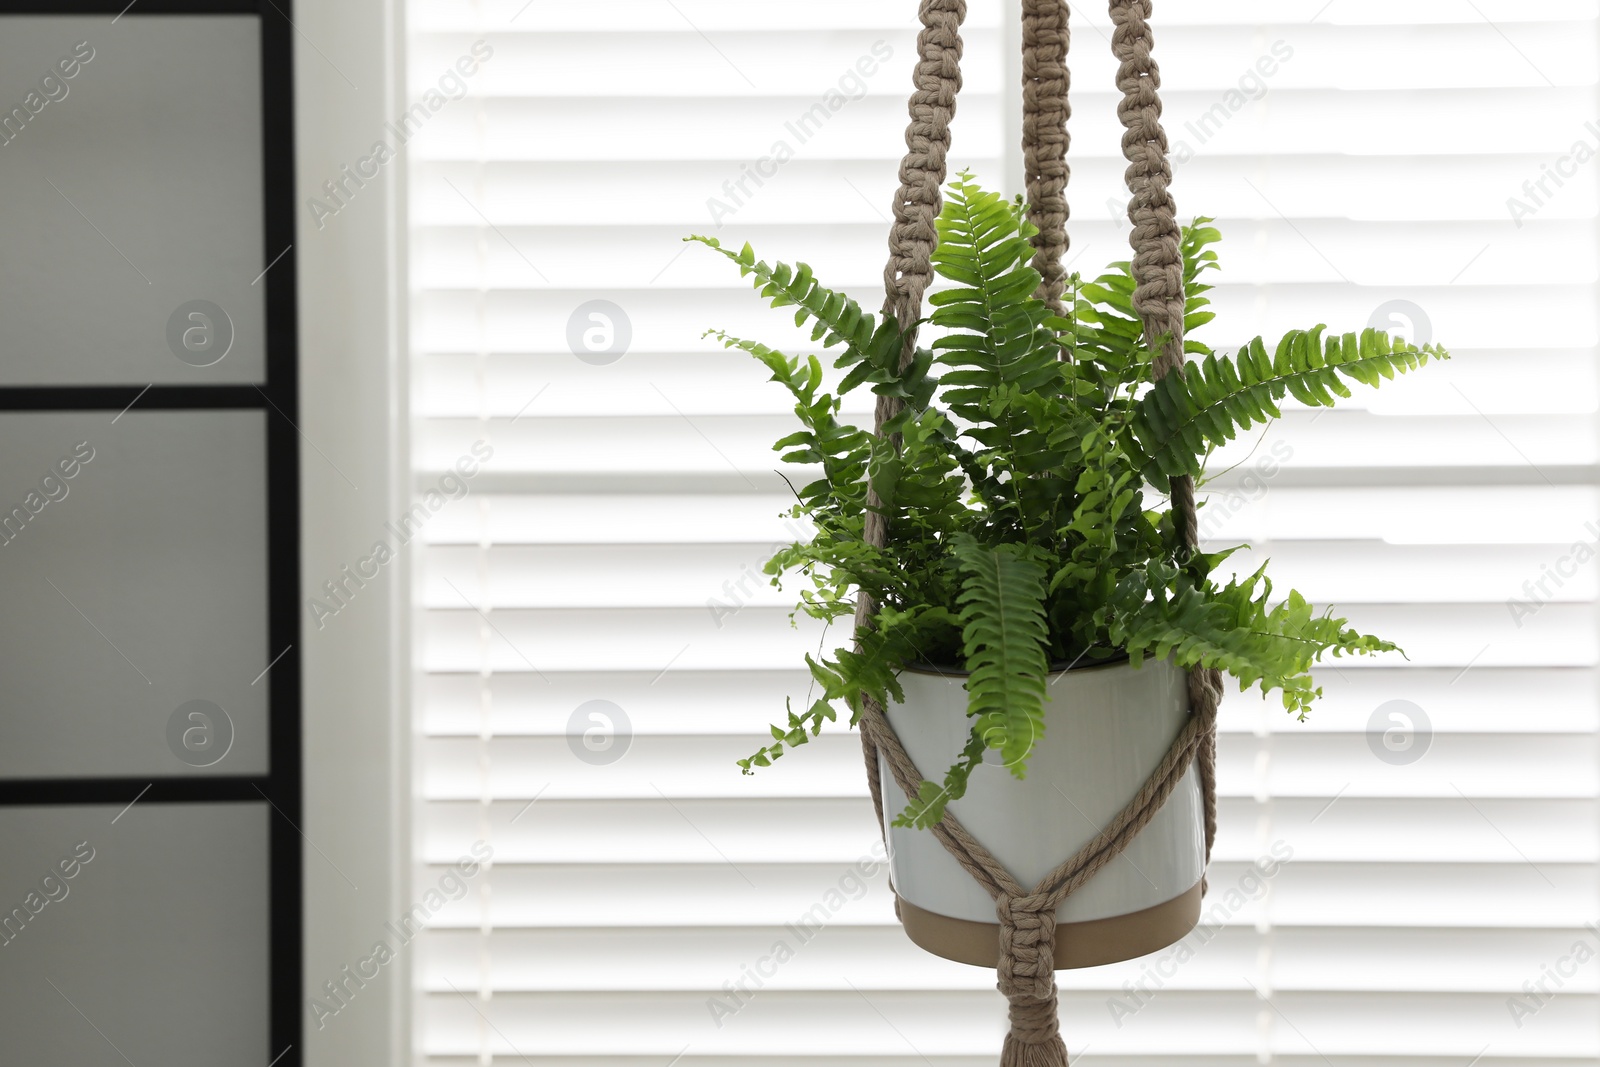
(1022, 484)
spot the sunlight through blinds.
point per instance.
(1407, 878)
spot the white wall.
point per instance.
(352, 374)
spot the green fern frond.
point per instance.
(853, 674)
(1111, 337)
(1161, 613)
(1000, 337)
(928, 806)
(841, 449)
(1185, 415)
(1005, 639)
(836, 318)
(1002, 374)
(1003, 627)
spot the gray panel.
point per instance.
(159, 940)
(139, 589)
(134, 191)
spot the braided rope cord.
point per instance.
(1027, 918)
(1158, 297)
(1045, 111)
(912, 237)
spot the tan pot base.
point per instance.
(1084, 944)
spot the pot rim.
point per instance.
(942, 672)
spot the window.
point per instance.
(596, 649)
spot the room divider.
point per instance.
(150, 856)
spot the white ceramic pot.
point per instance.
(1106, 729)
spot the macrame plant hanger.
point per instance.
(1027, 916)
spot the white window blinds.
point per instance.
(1406, 878)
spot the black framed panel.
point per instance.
(131, 171)
(118, 8)
(123, 939)
(133, 561)
(268, 797)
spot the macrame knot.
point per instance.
(1028, 980)
(913, 235)
(1045, 110)
(1027, 947)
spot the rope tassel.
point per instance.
(1035, 1037)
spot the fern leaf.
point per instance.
(1005, 633)
(1160, 612)
(841, 449)
(1184, 415)
(999, 335)
(836, 319)
(1006, 641)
